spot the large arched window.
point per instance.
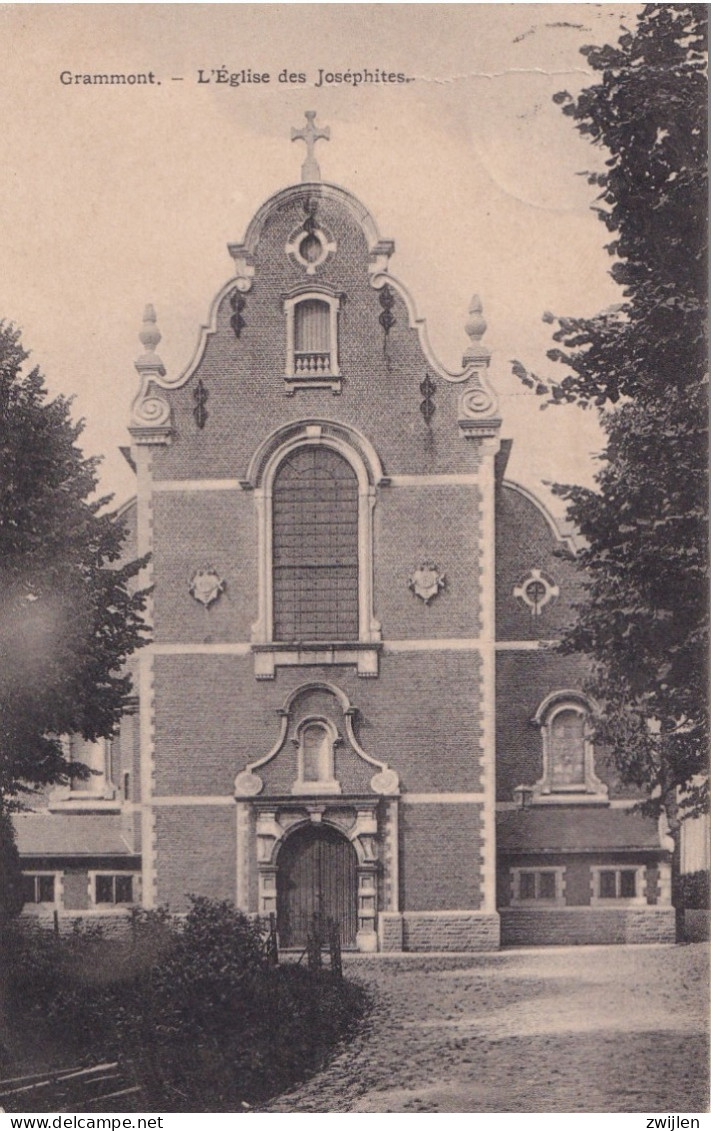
(315, 485)
(315, 547)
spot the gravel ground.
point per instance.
(561, 1029)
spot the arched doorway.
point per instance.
(316, 877)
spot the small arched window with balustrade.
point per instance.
(312, 340)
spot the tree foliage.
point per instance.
(642, 365)
(69, 615)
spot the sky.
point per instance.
(115, 196)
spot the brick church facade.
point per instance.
(350, 707)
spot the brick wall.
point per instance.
(75, 877)
(577, 883)
(201, 737)
(440, 863)
(389, 931)
(523, 680)
(114, 924)
(76, 889)
(566, 926)
(525, 541)
(413, 525)
(196, 854)
(421, 716)
(192, 530)
(577, 877)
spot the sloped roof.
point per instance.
(65, 834)
(575, 828)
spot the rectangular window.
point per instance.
(618, 883)
(123, 889)
(547, 885)
(113, 889)
(38, 887)
(527, 887)
(608, 885)
(532, 884)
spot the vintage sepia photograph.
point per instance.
(353, 560)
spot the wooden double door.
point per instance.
(316, 883)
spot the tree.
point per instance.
(642, 365)
(10, 874)
(69, 615)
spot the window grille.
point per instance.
(315, 547)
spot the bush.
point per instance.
(694, 891)
(193, 1009)
(63, 985)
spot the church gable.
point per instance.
(313, 325)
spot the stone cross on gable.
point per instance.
(310, 134)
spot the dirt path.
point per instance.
(565, 1029)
